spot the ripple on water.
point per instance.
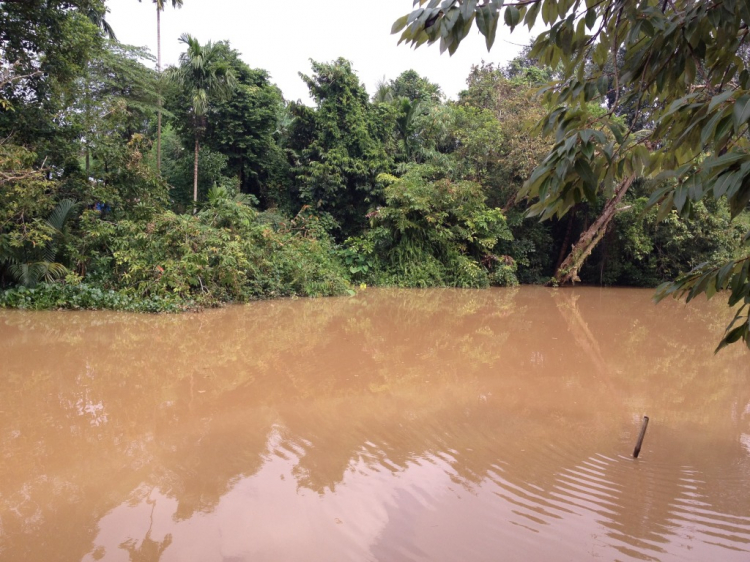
(394, 426)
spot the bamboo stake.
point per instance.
(641, 435)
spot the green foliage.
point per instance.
(338, 147)
(526, 70)
(242, 125)
(358, 256)
(224, 253)
(126, 185)
(415, 88)
(178, 166)
(203, 77)
(204, 74)
(28, 264)
(113, 100)
(437, 232)
(79, 296)
(642, 251)
(408, 110)
(28, 240)
(47, 46)
(497, 147)
(496, 132)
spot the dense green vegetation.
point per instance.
(240, 194)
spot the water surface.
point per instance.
(438, 425)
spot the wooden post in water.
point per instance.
(641, 435)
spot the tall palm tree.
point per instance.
(408, 110)
(160, 4)
(204, 76)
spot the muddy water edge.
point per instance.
(396, 425)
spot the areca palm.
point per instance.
(205, 76)
(160, 4)
(408, 110)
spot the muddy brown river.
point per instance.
(434, 425)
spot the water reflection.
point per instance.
(396, 425)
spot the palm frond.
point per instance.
(61, 213)
(30, 274)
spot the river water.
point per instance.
(434, 425)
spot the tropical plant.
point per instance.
(116, 98)
(339, 147)
(436, 232)
(409, 84)
(45, 48)
(29, 266)
(205, 76)
(383, 92)
(242, 126)
(408, 110)
(96, 16)
(223, 253)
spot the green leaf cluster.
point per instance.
(339, 147)
(224, 253)
(433, 231)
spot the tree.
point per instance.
(115, 99)
(96, 16)
(243, 124)
(682, 63)
(204, 76)
(408, 110)
(45, 48)
(383, 92)
(160, 4)
(339, 146)
(411, 85)
(432, 231)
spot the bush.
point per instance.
(641, 251)
(436, 232)
(83, 296)
(222, 254)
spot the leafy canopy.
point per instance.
(203, 73)
(338, 146)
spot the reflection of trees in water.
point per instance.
(149, 549)
(475, 378)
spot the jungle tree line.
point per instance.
(243, 194)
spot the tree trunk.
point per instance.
(568, 270)
(158, 101)
(195, 176)
(566, 240)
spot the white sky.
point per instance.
(281, 37)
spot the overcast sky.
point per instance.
(281, 37)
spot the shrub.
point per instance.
(82, 296)
(437, 232)
(225, 253)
